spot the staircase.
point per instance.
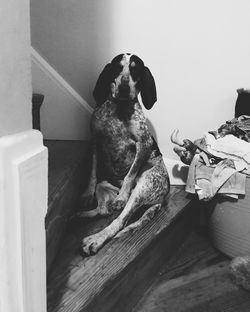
(124, 268)
(165, 265)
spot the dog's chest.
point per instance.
(108, 126)
(116, 145)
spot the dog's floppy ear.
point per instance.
(148, 89)
(102, 87)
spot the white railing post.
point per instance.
(23, 205)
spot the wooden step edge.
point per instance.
(221, 269)
(207, 288)
(103, 282)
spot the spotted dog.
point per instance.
(127, 167)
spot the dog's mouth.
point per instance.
(123, 98)
(123, 92)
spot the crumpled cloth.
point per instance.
(207, 181)
(230, 147)
(239, 127)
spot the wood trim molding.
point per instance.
(45, 66)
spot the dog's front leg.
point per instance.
(150, 189)
(142, 154)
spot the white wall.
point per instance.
(75, 37)
(198, 52)
(15, 79)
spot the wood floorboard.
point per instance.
(196, 279)
(75, 281)
(210, 289)
(68, 172)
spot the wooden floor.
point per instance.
(196, 280)
(68, 172)
(109, 278)
(193, 277)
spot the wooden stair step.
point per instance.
(117, 276)
(195, 254)
(208, 290)
(68, 172)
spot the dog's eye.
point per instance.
(117, 68)
(135, 71)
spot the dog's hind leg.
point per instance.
(105, 194)
(151, 188)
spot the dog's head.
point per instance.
(123, 79)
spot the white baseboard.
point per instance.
(177, 171)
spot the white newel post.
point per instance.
(23, 171)
(23, 204)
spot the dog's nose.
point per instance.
(125, 79)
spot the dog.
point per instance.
(128, 171)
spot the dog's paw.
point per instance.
(119, 204)
(115, 205)
(91, 244)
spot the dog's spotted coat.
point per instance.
(127, 169)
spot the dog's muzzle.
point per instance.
(123, 91)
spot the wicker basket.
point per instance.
(229, 224)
